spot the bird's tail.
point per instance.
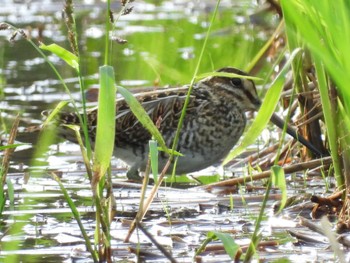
(59, 123)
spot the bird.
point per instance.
(214, 122)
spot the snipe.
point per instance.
(215, 120)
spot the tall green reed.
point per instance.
(45, 139)
(324, 29)
(105, 132)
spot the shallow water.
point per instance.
(164, 41)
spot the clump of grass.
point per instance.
(6, 187)
(326, 34)
(101, 251)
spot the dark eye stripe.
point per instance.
(238, 83)
(251, 97)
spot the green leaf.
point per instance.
(105, 131)
(330, 121)
(143, 117)
(282, 260)
(54, 112)
(313, 21)
(83, 150)
(71, 59)
(279, 180)
(153, 150)
(76, 215)
(231, 247)
(9, 146)
(225, 74)
(2, 197)
(266, 110)
(11, 193)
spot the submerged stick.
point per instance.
(155, 242)
(287, 169)
(142, 212)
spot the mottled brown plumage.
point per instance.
(215, 120)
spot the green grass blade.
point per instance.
(10, 146)
(54, 112)
(71, 59)
(279, 180)
(143, 117)
(187, 100)
(83, 150)
(231, 247)
(225, 74)
(265, 48)
(11, 193)
(77, 217)
(2, 198)
(266, 110)
(153, 150)
(330, 122)
(167, 70)
(105, 131)
(315, 21)
(345, 138)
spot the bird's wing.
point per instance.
(164, 109)
(162, 106)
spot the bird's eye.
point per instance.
(236, 82)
